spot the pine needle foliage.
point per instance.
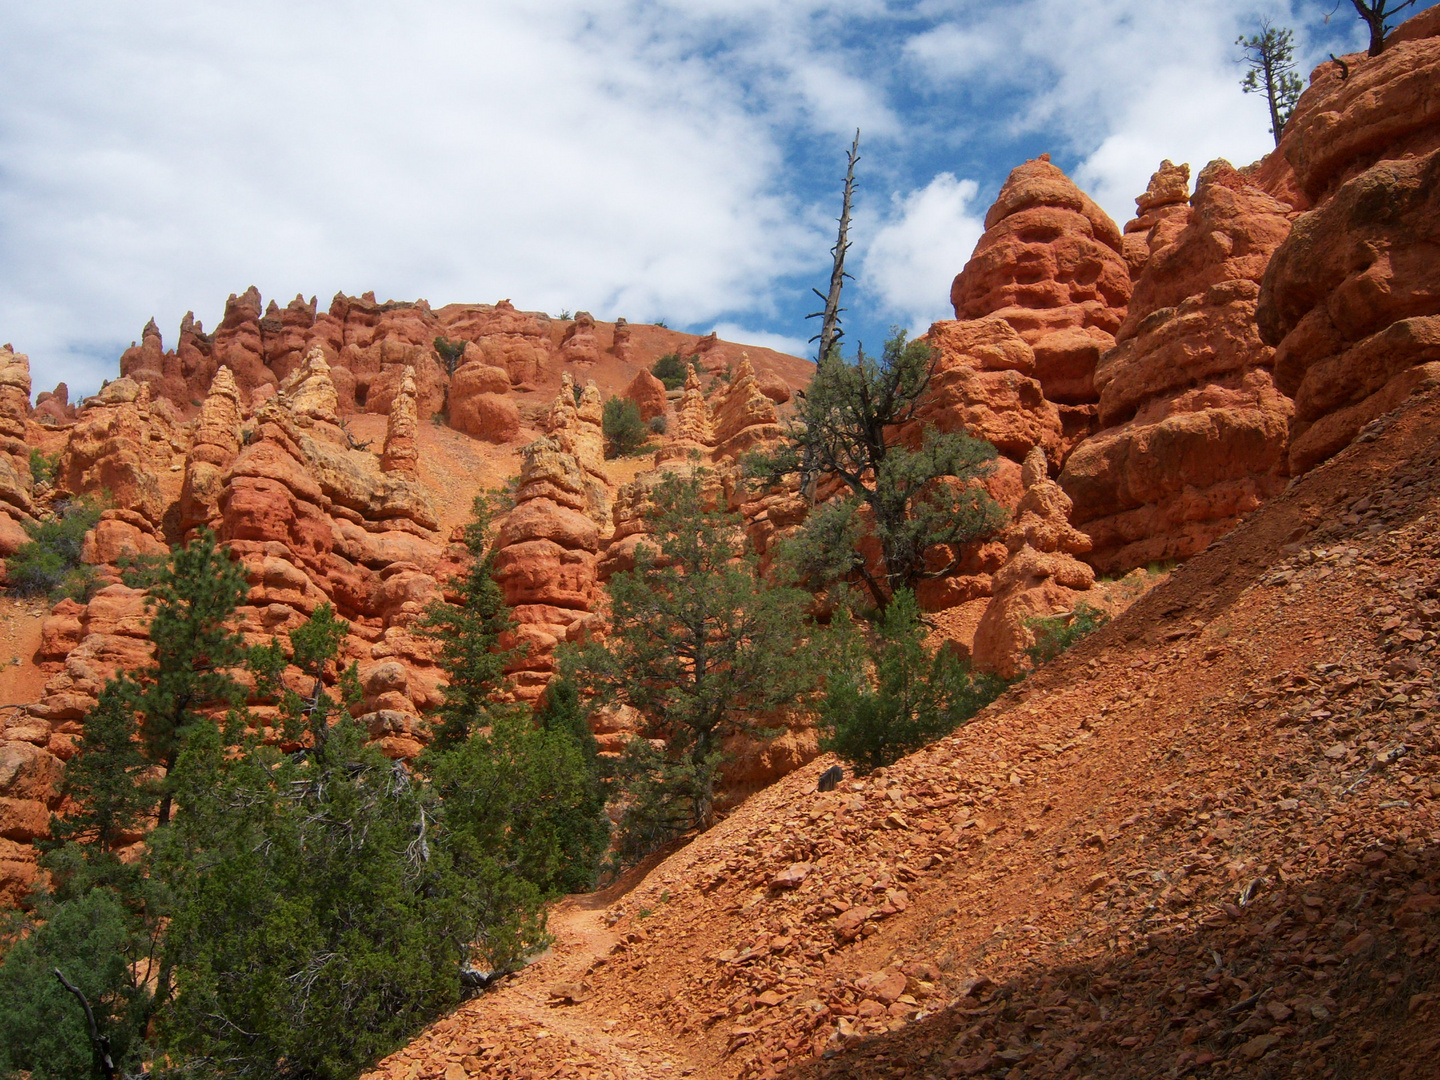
(898, 695)
(914, 503)
(50, 564)
(703, 649)
(625, 433)
(468, 632)
(1270, 62)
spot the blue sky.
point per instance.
(652, 159)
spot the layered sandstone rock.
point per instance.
(580, 345)
(1351, 299)
(546, 560)
(744, 417)
(985, 384)
(127, 444)
(621, 345)
(216, 444)
(576, 426)
(1192, 428)
(52, 407)
(16, 484)
(692, 417)
(400, 454)
(479, 401)
(1041, 576)
(149, 363)
(518, 341)
(1352, 302)
(1052, 264)
(310, 391)
(1160, 215)
(29, 793)
(1373, 109)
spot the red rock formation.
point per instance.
(125, 443)
(648, 393)
(1041, 577)
(545, 561)
(53, 407)
(985, 384)
(518, 341)
(1160, 215)
(1192, 429)
(580, 345)
(16, 484)
(577, 429)
(479, 405)
(692, 418)
(237, 344)
(149, 363)
(1052, 264)
(1352, 299)
(400, 454)
(217, 442)
(1375, 109)
(29, 792)
(621, 345)
(744, 416)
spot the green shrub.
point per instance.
(672, 370)
(450, 353)
(659, 425)
(1055, 634)
(915, 697)
(92, 940)
(625, 432)
(43, 466)
(49, 565)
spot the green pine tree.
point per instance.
(704, 650)
(898, 696)
(468, 633)
(916, 504)
(197, 653)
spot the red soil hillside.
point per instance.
(1203, 843)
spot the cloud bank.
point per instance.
(653, 159)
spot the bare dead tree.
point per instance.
(830, 331)
(104, 1063)
(1377, 15)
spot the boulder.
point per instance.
(648, 393)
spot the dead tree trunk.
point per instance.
(830, 332)
(1376, 14)
(100, 1044)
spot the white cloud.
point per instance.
(1118, 85)
(740, 335)
(644, 158)
(927, 237)
(161, 155)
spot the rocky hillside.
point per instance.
(1203, 843)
